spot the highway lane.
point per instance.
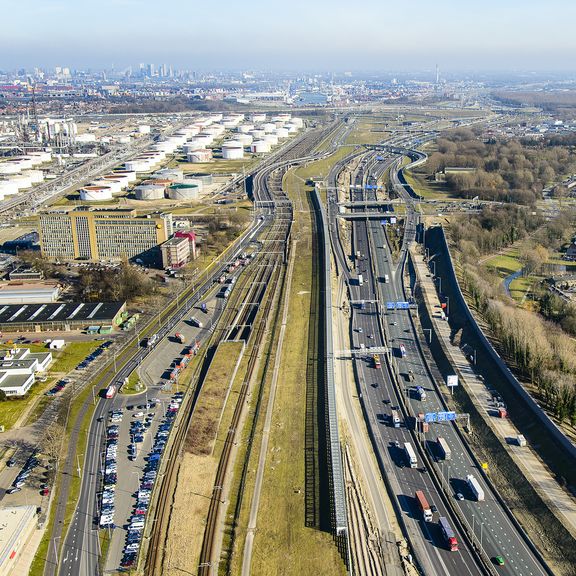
(491, 523)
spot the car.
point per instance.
(370, 335)
(45, 492)
(433, 509)
(13, 490)
(394, 323)
(459, 496)
(397, 444)
(11, 463)
(499, 560)
(359, 330)
(138, 414)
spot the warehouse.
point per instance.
(59, 316)
(15, 292)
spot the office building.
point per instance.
(97, 235)
(175, 252)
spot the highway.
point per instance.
(487, 520)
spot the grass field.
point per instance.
(204, 428)
(367, 133)
(428, 190)
(288, 547)
(520, 286)
(505, 264)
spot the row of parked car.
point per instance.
(144, 493)
(60, 385)
(110, 471)
(91, 357)
(20, 480)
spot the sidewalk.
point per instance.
(559, 501)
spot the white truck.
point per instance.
(386, 278)
(521, 440)
(443, 448)
(360, 280)
(474, 485)
(410, 455)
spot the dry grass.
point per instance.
(204, 427)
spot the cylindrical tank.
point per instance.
(130, 175)
(122, 178)
(272, 139)
(114, 185)
(22, 163)
(35, 175)
(7, 187)
(137, 166)
(10, 168)
(149, 191)
(203, 139)
(257, 118)
(206, 179)
(281, 132)
(232, 150)
(245, 139)
(285, 116)
(41, 155)
(298, 121)
(245, 128)
(183, 192)
(144, 129)
(197, 181)
(121, 140)
(257, 133)
(260, 147)
(269, 127)
(199, 156)
(84, 138)
(291, 128)
(95, 193)
(170, 173)
(22, 181)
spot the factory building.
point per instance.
(17, 369)
(15, 292)
(106, 234)
(175, 252)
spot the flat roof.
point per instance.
(59, 312)
(14, 520)
(14, 381)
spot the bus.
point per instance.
(448, 534)
(376, 359)
(395, 419)
(410, 455)
(110, 392)
(402, 350)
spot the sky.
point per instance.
(307, 35)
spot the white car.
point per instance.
(138, 414)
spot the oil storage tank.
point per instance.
(260, 147)
(95, 193)
(183, 191)
(150, 191)
(199, 155)
(232, 150)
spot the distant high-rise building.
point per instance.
(151, 70)
(437, 75)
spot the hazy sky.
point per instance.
(290, 35)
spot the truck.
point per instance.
(395, 419)
(475, 487)
(521, 440)
(443, 448)
(360, 280)
(204, 307)
(152, 340)
(195, 322)
(410, 455)
(402, 350)
(448, 533)
(424, 506)
(502, 413)
(421, 393)
(180, 337)
(376, 359)
(386, 278)
(110, 392)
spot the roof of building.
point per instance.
(175, 240)
(59, 312)
(14, 520)
(13, 380)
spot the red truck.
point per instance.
(180, 337)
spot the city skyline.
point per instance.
(320, 36)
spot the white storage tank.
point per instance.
(7, 187)
(22, 163)
(150, 191)
(8, 168)
(183, 192)
(199, 156)
(257, 133)
(298, 122)
(284, 116)
(269, 127)
(204, 139)
(232, 150)
(114, 185)
(272, 139)
(85, 138)
(95, 193)
(260, 147)
(35, 175)
(257, 118)
(21, 181)
(129, 175)
(245, 128)
(216, 117)
(196, 181)
(169, 173)
(245, 139)
(291, 128)
(121, 179)
(281, 132)
(144, 129)
(41, 155)
(136, 166)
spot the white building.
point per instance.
(18, 367)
